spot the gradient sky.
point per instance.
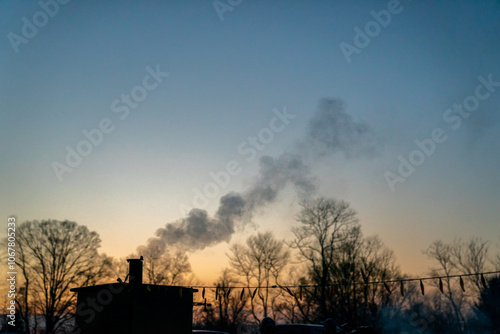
(225, 79)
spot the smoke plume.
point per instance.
(274, 175)
(331, 130)
(198, 230)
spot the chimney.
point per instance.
(135, 270)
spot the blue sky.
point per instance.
(225, 79)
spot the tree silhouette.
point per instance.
(260, 262)
(326, 226)
(55, 256)
(163, 267)
(489, 303)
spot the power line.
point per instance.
(397, 280)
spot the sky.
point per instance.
(125, 115)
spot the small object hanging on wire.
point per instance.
(441, 285)
(203, 293)
(402, 289)
(387, 288)
(422, 287)
(242, 293)
(483, 281)
(254, 292)
(462, 284)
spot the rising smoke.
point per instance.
(198, 230)
(331, 130)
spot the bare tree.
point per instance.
(443, 254)
(496, 259)
(22, 302)
(55, 256)
(327, 225)
(163, 267)
(229, 304)
(297, 307)
(461, 257)
(260, 263)
(470, 257)
(341, 263)
(488, 306)
(375, 262)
